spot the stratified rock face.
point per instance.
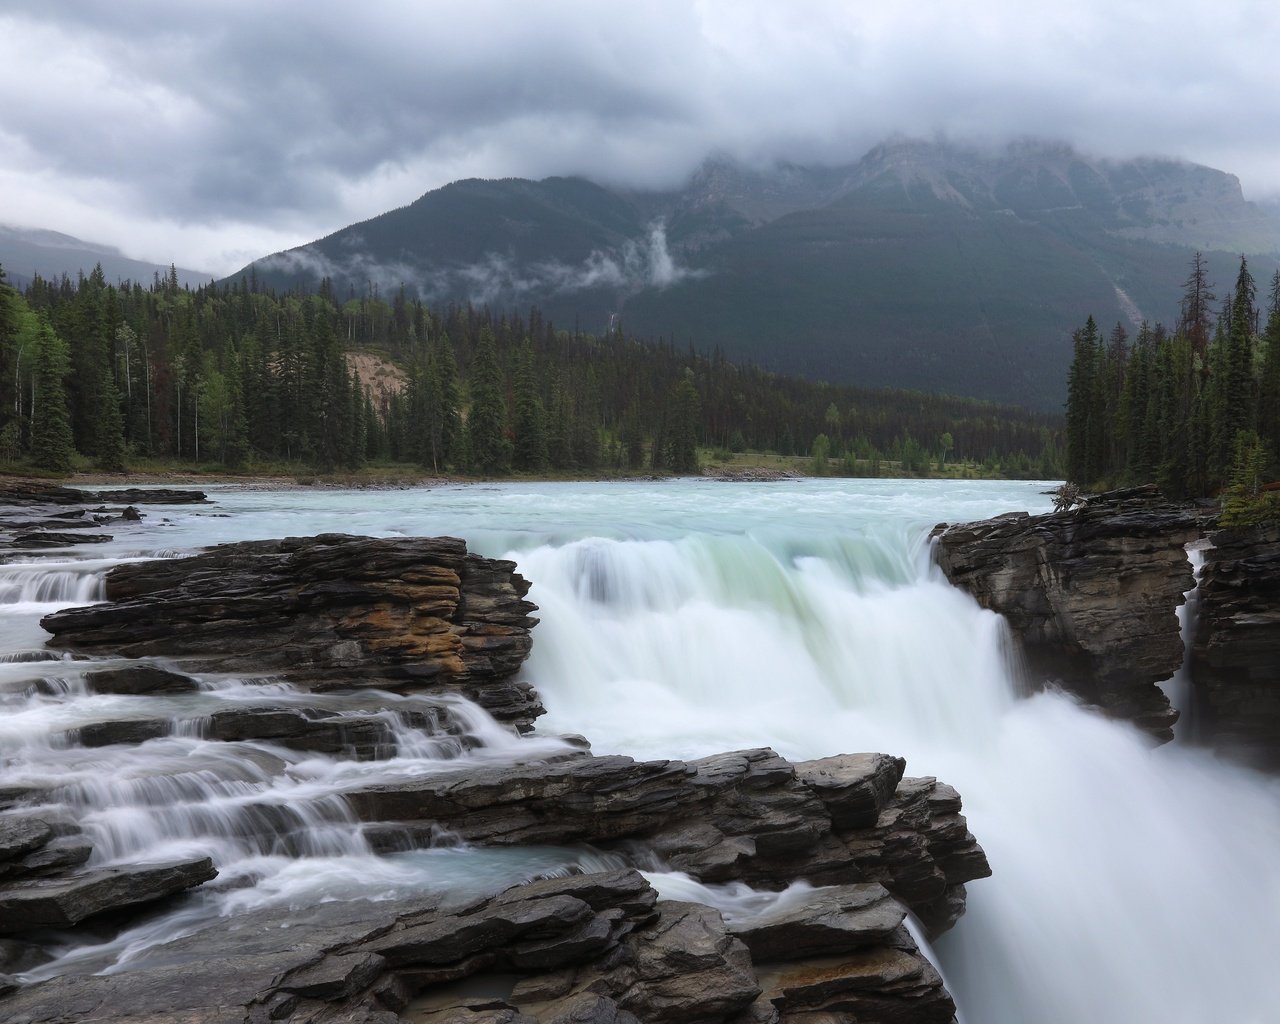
(326, 612)
(593, 948)
(1236, 656)
(1091, 594)
(747, 816)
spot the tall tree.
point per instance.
(684, 425)
(486, 422)
(530, 428)
(52, 446)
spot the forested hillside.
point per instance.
(925, 264)
(237, 376)
(1195, 410)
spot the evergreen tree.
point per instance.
(453, 444)
(531, 452)
(684, 426)
(1083, 394)
(1196, 323)
(109, 450)
(486, 423)
(1269, 382)
(51, 441)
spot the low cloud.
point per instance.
(634, 266)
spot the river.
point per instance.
(683, 618)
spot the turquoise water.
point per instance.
(687, 617)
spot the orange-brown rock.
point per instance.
(327, 612)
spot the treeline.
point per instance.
(1195, 410)
(237, 376)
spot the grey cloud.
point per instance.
(300, 118)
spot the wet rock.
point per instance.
(685, 966)
(1090, 594)
(822, 922)
(58, 855)
(325, 612)
(748, 815)
(1235, 664)
(148, 496)
(885, 985)
(35, 492)
(56, 539)
(134, 731)
(140, 679)
(853, 787)
(61, 902)
(22, 834)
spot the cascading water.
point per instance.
(687, 618)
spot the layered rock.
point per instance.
(1235, 663)
(418, 614)
(35, 515)
(749, 816)
(1091, 595)
(596, 948)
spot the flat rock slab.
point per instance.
(140, 679)
(62, 902)
(836, 919)
(20, 835)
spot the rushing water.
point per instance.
(680, 619)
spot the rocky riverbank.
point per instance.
(1091, 597)
(36, 515)
(368, 650)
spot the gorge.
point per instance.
(678, 620)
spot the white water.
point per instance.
(681, 619)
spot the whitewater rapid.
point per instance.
(687, 618)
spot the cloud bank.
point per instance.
(212, 134)
(637, 264)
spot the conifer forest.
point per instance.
(236, 377)
(1196, 409)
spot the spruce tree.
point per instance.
(683, 442)
(486, 423)
(530, 452)
(51, 442)
(1269, 383)
(109, 450)
(1083, 395)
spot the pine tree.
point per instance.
(109, 450)
(453, 444)
(1197, 300)
(530, 453)
(486, 423)
(1084, 393)
(683, 440)
(51, 441)
(1269, 384)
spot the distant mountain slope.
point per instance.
(27, 251)
(924, 265)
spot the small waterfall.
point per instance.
(59, 587)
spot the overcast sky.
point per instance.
(210, 134)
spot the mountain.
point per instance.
(27, 251)
(926, 265)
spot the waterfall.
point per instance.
(1129, 885)
(677, 620)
